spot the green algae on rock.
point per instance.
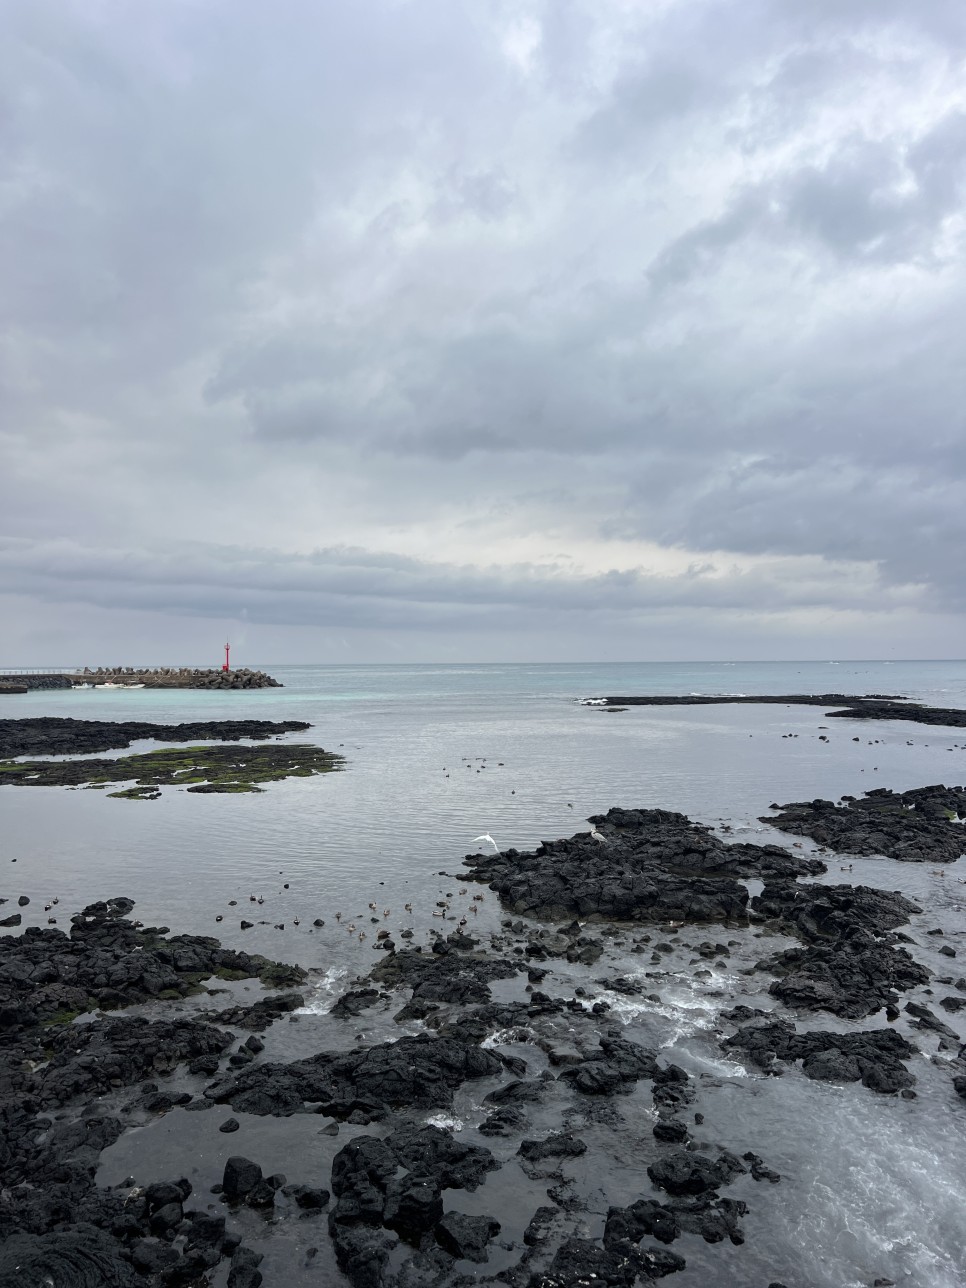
(235, 768)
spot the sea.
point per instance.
(438, 755)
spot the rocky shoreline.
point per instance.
(495, 1025)
(869, 706)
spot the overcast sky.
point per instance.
(375, 330)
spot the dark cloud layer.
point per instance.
(493, 322)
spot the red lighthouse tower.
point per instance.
(225, 667)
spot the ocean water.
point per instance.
(435, 756)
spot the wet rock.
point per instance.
(229, 1125)
(558, 1145)
(240, 1177)
(759, 1170)
(432, 1151)
(261, 1014)
(616, 1067)
(308, 1197)
(656, 866)
(705, 1214)
(244, 1272)
(353, 1003)
(205, 1230)
(153, 1256)
(60, 736)
(541, 1224)
(166, 1218)
(672, 1089)
(917, 826)
(582, 1261)
(89, 1060)
(82, 1258)
(849, 965)
(505, 1121)
(925, 1019)
(370, 1193)
(874, 1057)
(466, 1237)
(685, 1173)
(450, 977)
(261, 1194)
(107, 962)
(670, 1132)
(413, 1205)
(418, 1072)
(516, 1093)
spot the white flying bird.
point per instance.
(486, 837)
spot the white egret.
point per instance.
(599, 837)
(486, 837)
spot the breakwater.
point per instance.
(160, 677)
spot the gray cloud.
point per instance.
(361, 588)
(633, 284)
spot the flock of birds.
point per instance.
(442, 909)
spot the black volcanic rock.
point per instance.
(874, 1057)
(622, 1265)
(83, 1257)
(416, 1072)
(871, 706)
(466, 1237)
(654, 866)
(615, 1067)
(849, 964)
(688, 1172)
(450, 977)
(556, 1145)
(260, 1014)
(61, 736)
(240, 1177)
(918, 826)
(86, 1061)
(372, 1197)
(107, 962)
(821, 914)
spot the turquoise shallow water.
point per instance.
(439, 754)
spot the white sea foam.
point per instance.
(446, 1121)
(506, 1037)
(325, 990)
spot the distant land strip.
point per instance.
(869, 706)
(130, 677)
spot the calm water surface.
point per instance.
(436, 755)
